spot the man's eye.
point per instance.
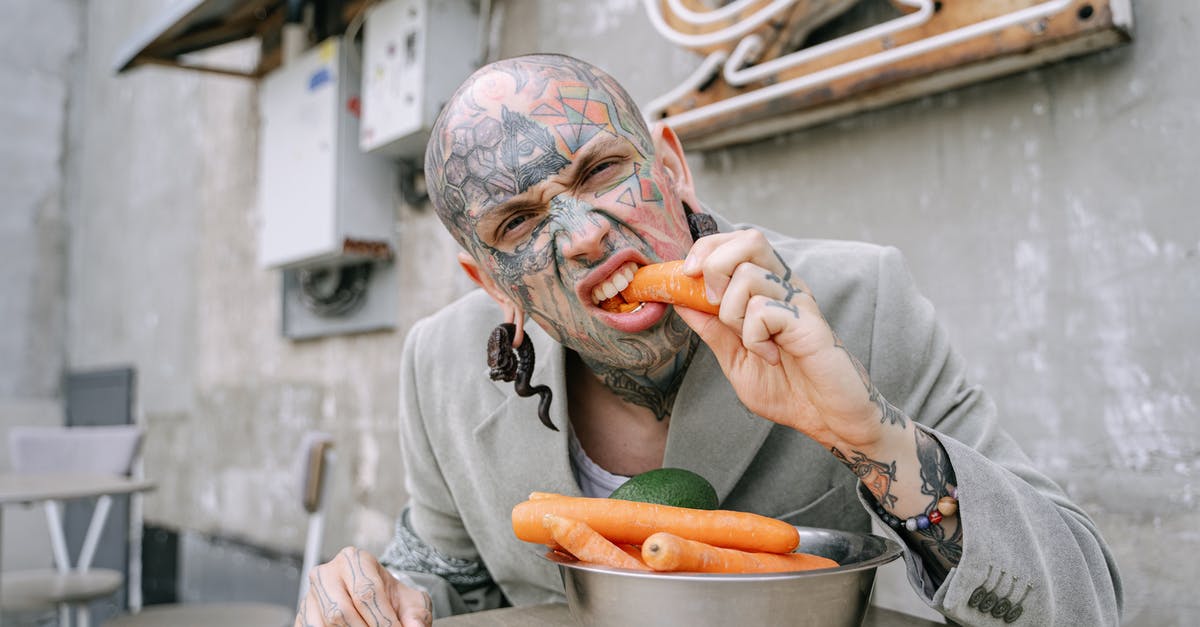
(600, 168)
(514, 222)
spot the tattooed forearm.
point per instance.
(875, 475)
(939, 545)
(936, 471)
(937, 475)
(888, 413)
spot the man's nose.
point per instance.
(583, 228)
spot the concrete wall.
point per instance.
(1049, 217)
(1052, 219)
(39, 43)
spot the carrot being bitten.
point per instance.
(662, 283)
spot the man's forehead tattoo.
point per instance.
(490, 160)
(528, 150)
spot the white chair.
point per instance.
(69, 450)
(316, 455)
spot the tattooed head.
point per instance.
(543, 170)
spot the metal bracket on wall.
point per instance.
(351, 297)
(754, 82)
(334, 291)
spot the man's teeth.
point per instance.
(615, 283)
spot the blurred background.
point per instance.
(152, 250)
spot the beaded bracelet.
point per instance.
(946, 506)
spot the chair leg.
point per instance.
(64, 615)
(84, 616)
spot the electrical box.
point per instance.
(402, 92)
(323, 201)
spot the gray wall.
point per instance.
(1049, 217)
(39, 44)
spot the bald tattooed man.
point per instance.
(823, 393)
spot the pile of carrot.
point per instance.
(647, 536)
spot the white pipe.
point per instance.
(744, 55)
(316, 528)
(740, 29)
(92, 537)
(707, 68)
(700, 18)
(736, 74)
(929, 44)
(312, 546)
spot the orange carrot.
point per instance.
(586, 545)
(661, 283)
(633, 551)
(666, 283)
(631, 522)
(668, 552)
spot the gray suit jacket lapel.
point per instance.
(712, 433)
(514, 424)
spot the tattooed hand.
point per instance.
(783, 360)
(787, 365)
(354, 590)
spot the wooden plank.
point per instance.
(1085, 26)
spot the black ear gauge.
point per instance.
(516, 365)
(700, 224)
(980, 590)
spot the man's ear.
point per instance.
(512, 311)
(668, 152)
(469, 266)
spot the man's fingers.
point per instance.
(700, 250)
(416, 608)
(719, 258)
(750, 280)
(723, 342)
(368, 584)
(333, 605)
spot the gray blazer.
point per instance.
(473, 449)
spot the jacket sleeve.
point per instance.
(1023, 539)
(431, 549)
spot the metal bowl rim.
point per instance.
(891, 552)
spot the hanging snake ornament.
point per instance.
(516, 365)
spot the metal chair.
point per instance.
(69, 450)
(316, 455)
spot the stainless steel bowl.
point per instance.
(829, 597)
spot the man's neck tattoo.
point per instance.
(653, 390)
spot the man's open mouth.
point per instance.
(607, 295)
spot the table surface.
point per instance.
(22, 488)
(557, 615)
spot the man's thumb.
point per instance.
(720, 338)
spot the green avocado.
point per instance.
(669, 486)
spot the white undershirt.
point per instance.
(593, 480)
